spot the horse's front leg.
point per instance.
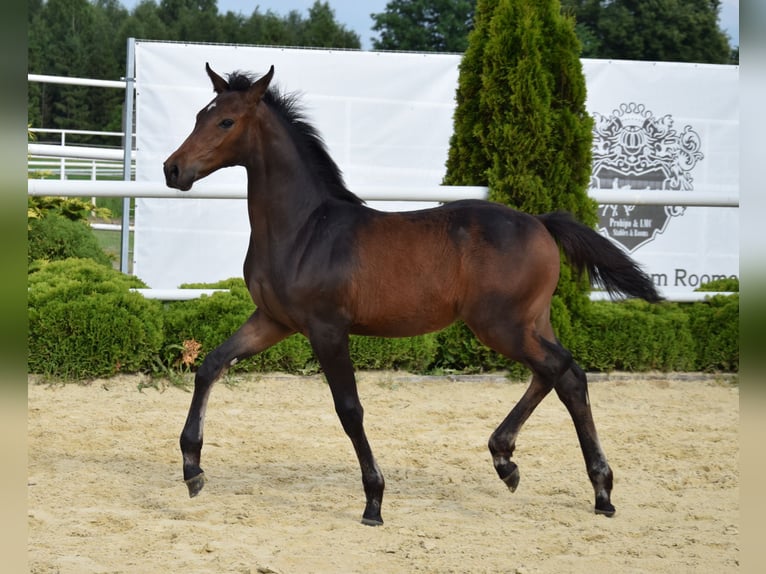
(258, 333)
(331, 348)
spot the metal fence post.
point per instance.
(127, 131)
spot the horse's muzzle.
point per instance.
(174, 178)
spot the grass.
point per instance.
(113, 204)
(110, 242)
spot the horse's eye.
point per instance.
(227, 123)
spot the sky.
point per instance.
(355, 14)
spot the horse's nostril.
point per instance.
(171, 172)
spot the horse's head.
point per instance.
(217, 138)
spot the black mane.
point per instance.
(307, 138)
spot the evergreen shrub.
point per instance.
(521, 126)
(84, 321)
(714, 327)
(210, 320)
(54, 237)
(634, 336)
(727, 284)
(412, 354)
(630, 335)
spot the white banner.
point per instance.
(387, 121)
(668, 126)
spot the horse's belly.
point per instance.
(402, 318)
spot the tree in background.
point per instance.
(74, 38)
(660, 30)
(143, 22)
(191, 20)
(521, 126)
(321, 30)
(424, 25)
(87, 39)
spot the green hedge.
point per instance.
(714, 326)
(210, 320)
(84, 322)
(635, 336)
(54, 237)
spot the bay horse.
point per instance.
(322, 263)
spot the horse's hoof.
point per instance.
(512, 479)
(606, 509)
(195, 484)
(371, 515)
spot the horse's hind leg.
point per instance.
(255, 335)
(572, 389)
(502, 443)
(546, 363)
(552, 367)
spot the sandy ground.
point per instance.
(284, 492)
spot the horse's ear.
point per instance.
(219, 84)
(260, 86)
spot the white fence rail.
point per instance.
(65, 160)
(176, 294)
(119, 84)
(204, 190)
(76, 151)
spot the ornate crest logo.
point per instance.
(634, 149)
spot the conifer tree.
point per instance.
(520, 125)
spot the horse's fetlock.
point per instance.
(500, 446)
(601, 476)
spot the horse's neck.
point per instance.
(282, 190)
(280, 200)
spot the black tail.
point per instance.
(605, 263)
